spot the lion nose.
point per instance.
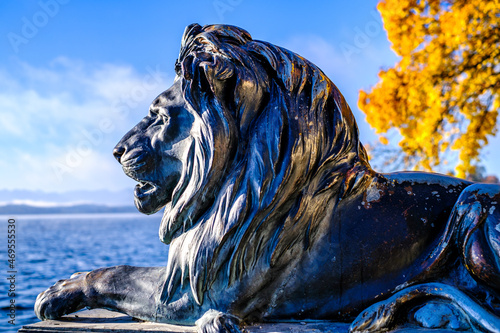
(118, 152)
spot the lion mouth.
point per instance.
(155, 184)
(144, 188)
(147, 196)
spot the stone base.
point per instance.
(104, 321)
(100, 320)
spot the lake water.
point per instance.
(52, 247)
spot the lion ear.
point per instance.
(186, 65)
(223, 69)
(219, 69)
(217, 72)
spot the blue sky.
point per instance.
(76, 75)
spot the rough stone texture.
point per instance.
(100, 320)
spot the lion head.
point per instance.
(241, 151)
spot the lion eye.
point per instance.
(153, 111)
(164, 115)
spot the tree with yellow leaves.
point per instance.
(444, 93)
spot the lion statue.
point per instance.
(272, 211)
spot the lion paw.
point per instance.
(376, 318)
(217, 322)
(64, 297)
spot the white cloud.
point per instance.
(37, 203)
(66, 111)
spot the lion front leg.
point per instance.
(64, 297)
(126, 289)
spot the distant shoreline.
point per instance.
(136, 215)
(21, 209)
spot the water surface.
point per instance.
(52, 247)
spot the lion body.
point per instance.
(335, 278)
(272, 211)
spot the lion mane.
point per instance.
(261, 174)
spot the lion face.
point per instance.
(152, 152)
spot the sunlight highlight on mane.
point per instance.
(254, 167)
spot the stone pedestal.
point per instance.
(104, 321)
(101, 321)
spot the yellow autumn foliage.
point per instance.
(444, 93)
